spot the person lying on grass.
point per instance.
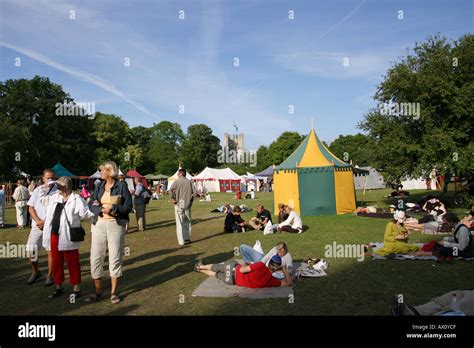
(251, 255)
(432, 221)
(255, 275)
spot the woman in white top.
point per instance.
(64, 210)
(292, 224)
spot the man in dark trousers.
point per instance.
(139, 203)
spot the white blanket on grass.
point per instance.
(377, 245)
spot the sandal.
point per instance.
(197, 267)
(94, 297)
(114, 299)
(56, 293)
(76, 294)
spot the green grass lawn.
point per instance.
(158, 273)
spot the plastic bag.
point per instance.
(268, 228)
(258, 247)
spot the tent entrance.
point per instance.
(319, 193)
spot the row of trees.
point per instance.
(33, 136)
(435, 79)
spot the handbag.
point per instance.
(77, 233)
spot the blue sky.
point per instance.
(190, 62)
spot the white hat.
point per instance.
(399, 216)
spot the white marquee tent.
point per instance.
(414, 184)
(96, 175)
(175, 177)
(216, 180)
(372, 181)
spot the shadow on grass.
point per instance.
(169, 269)
(208, 237)
(356, 288)
(150, 255)
(168, 223)
(120, 311)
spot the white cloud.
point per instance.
(336, 64)
(78, 74)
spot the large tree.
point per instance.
(200, 148)
(111, 135)
(281, 148)
(32, 134)
(166, 138)
(141, 137)
(436, 74)
(356, 148)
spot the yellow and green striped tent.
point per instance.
(313, 181)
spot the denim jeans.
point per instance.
(250, 254)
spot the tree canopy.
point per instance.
(437, 77)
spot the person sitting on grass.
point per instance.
(255, 275)
(282, 215)
(431, 222)
(396, 237)
(460, 243)
(234, 222)
(281, 249)
(469, 220)
(292, 224)
(263, 217)
(250, 195)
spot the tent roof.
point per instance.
(266, 172)
(96, 175)
(312, 153)
(217, 174)
(374, 179)
(363, 171)
(133, 174)
(59, 170)
(175, 176)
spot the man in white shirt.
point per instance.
(37, 209)
(21, 196)
(292, 224)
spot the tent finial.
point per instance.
(312, 123)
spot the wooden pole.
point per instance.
(365, 186)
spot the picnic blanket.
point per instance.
(376, 215)
(212, 287)
(377, 245)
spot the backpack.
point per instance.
(146, 195)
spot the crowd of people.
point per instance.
(436, 220)
(56, 212)
(288, 220)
